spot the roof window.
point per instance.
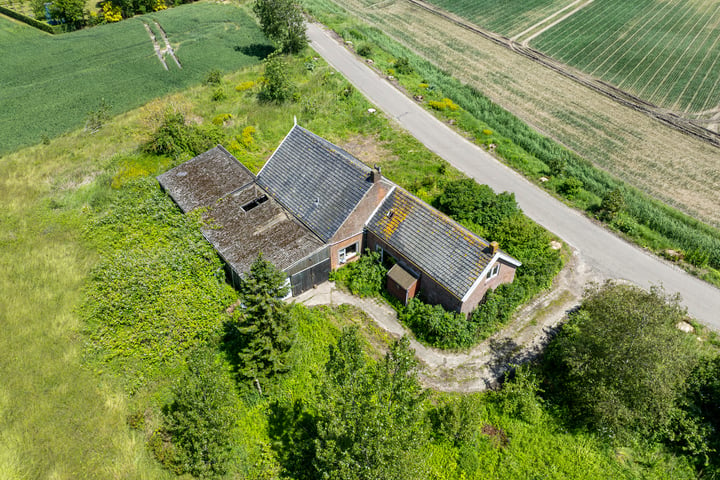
(250, 205)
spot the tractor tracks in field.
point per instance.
(669, 118)
(161, 52)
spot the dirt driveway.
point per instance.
(484, 365)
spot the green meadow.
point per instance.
(50, 83)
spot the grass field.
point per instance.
(666, 52)
(671, 166)
(50, 83)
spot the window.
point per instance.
(345, 254)
(493, 271)
(254, 203)
(379, 249)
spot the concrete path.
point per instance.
(606, 254)
(484, 365)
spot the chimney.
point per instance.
(376, 175)
(494, 246)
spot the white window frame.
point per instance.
(493, 272)
(344, 256)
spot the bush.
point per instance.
(219, 94)
(436, 326)
(365, 50)
(402, 66)
(174, 137)
(202, 416)
(247, 85)
(213, 77)
(364, 277)
(277, 86)
(442, 105)
(570, 187)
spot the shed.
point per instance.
(401, 283)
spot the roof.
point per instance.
(240, 234)
(204, 179)
(319, 182)
(433, 242)
(401, 276)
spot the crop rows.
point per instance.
(658, 159)
(665, 52)
(502, 16)
(50, 83)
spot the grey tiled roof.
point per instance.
(440, 247)
(317, 181)
(204, 179)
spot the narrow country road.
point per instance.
(606, 254)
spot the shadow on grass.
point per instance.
(257, 50)
(292, 431)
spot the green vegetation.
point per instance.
(507, 18)
(646, 221)
(364, 277)
(72, 74)
(283, 22)
(276, 86)
(621, 367)
(200, 419)
(663, 52)
(86, 228)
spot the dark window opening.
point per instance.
(250, 205)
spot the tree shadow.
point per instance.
(257, 50)
(504, 356)
(292, 432)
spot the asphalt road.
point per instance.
(607, 255)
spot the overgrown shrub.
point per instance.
(364, 50)
(402, 66)
(201, 418)
(175, 137)
(436, 326)
(442, 105)
(213, 77)
(276, 87)
(364, 277)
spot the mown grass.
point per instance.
(50, 83)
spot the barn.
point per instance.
(314, 207)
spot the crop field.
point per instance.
(49, 83)
(508, 18)
(666, 52)
(671, 166)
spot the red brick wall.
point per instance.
(506, 274)
(334, 249)
(355, 222)
(430, 291)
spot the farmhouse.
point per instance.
(313, 207)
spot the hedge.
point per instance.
(25, 19)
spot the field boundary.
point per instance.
(542, 26)
(616, 94)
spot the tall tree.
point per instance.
(202, 416)
(283, 22)
(369, 422)
(620, 362)
(263, 324)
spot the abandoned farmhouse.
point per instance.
(313, 207)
